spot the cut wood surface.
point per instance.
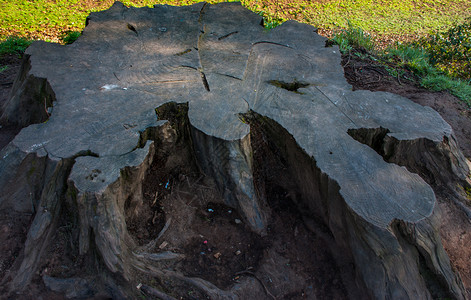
(99, 106)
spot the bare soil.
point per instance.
(215, 245)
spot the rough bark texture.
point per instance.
(205, 88)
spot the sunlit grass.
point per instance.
(50, 19)
(356, 24)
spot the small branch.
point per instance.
(356, 73)
(373, 68)
(375, 81)
(348, 61)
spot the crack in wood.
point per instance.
(165, 81)
(183, 52)
(273, 43)
(132, 28)
(202, 12)
(290, 86)
(193, 68)
(230, 76)
(129, 126)
(227, 35)
(116, 76)
(205, 81)
(200, 37)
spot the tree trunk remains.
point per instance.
(204, 94)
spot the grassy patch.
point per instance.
(450, 50)
(353, 38)
(3, 68)
(42, 19)
(422, 61)
(14, 45)
(457, 87)
(411, 18)
(70, 37)
(50, 19)
(446, 52)
(411, 57)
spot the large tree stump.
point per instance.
(207, 89)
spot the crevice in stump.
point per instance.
(296, 192)
(372, 137)
(31, 99)
(289, 86)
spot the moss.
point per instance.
(72, 192)
(32, 169)
(125, 174)
(468, 192)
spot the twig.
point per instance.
(373, 68)
(203, 186)
(258, 279)
(356, 72)
(348, 61)
(192, 199)
(171, 188)
(155, 198)
(374, 81)
(398, 80)
(197, 180)
(183, 192)
(201, 196)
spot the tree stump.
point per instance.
(126, 129)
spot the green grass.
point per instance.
(444, 47)
(50, 19)
(450, 50)
(381, 18)
(422, 61)
(42, 19)
(70, 37)
(457, 87)
(3, 68)
(410, 56)
(353, 38)
(14, 45)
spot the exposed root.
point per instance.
(259, 280)
(153, 243)
(154, 292)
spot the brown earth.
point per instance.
(221, 249)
